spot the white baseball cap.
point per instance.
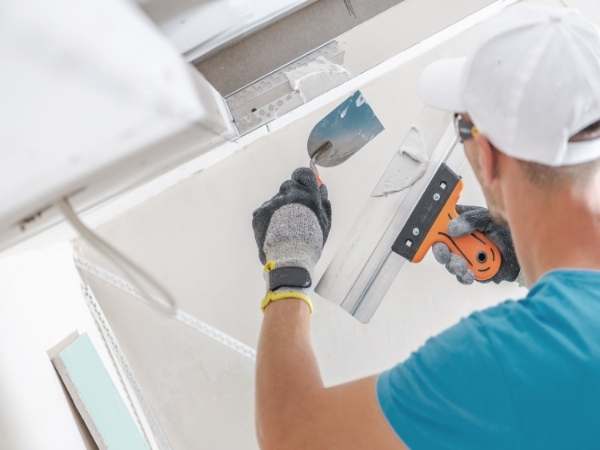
(531, 84)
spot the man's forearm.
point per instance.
(287, 377)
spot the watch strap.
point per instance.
(271, 297)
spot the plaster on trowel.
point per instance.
(342, 133)
(409, 210)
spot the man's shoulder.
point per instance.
(454, 381)
(476, 383)
(559, 296)
(479, 326)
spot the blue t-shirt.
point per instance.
(521, 375)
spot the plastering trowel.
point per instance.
(342, 133)
(409, 210)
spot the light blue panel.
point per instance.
(100, 397)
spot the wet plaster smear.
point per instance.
(316, 77)
(408, 165)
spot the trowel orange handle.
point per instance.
(313, 167)
(319, 180)
(481, 253)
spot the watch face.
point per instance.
(294, 277)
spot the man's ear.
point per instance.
(488, 159)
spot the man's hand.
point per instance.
(474, 218)
(292, 227)
(294, 410)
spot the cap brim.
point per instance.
(441, 84)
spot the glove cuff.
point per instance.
(294, 254)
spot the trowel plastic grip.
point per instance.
(482, 255)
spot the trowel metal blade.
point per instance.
(343, 132)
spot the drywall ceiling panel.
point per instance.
(386, 27)
(197, 238)
(591, 8)
(182, 417)
(410, 21)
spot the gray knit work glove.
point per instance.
(292, 227)
(475, 218)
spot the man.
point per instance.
(523, 374)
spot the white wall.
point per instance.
(40, 304)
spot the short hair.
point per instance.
(544, 175)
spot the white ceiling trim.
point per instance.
(208, 26)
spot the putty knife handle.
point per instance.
(482, 255)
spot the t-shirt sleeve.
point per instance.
(450, 394)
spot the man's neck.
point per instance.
(561, 232)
